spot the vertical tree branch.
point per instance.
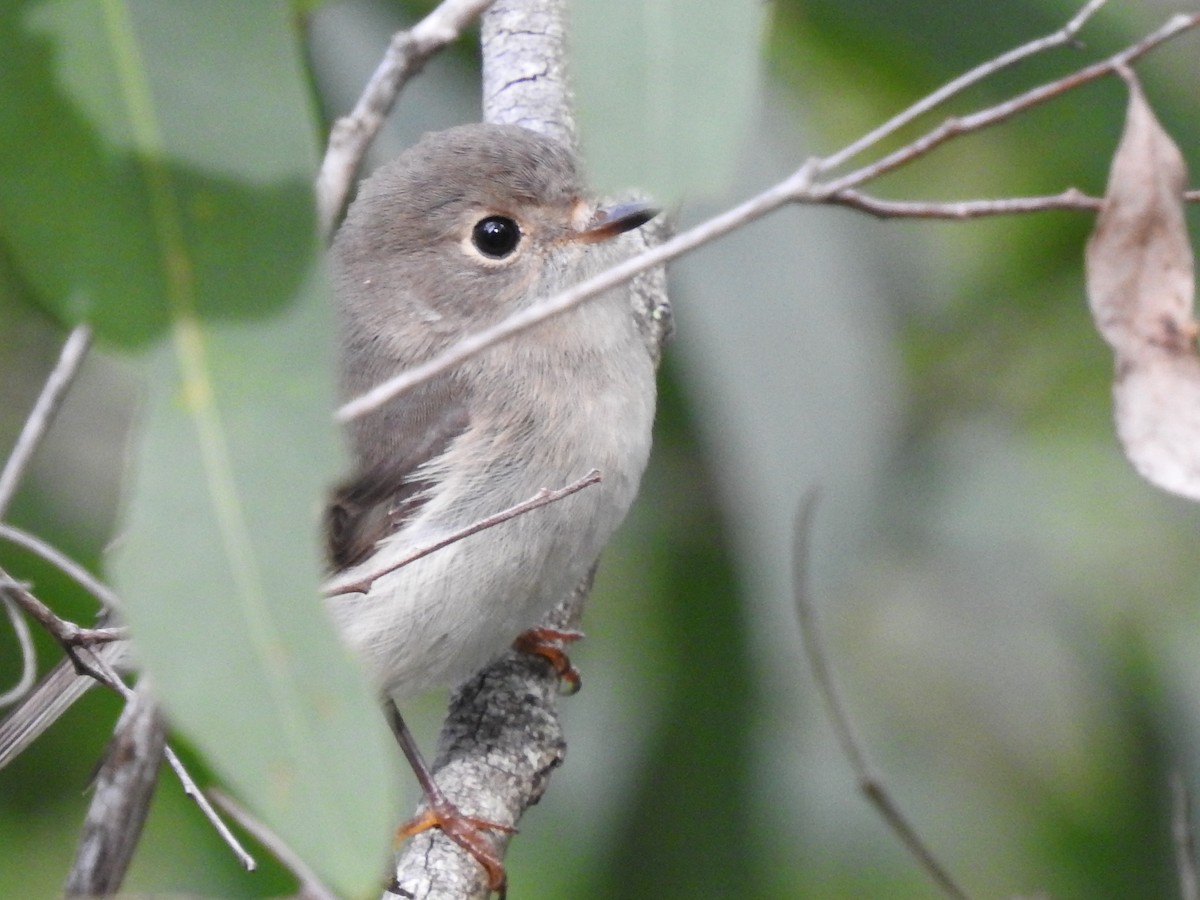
(123, 789)
(524, 44)
(503, 738)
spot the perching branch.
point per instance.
(502, 738)
(352, 134)
(801, 187)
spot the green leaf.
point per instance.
(163, 193)
(104, 154)
(666, 90)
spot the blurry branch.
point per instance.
(311, 887)
(544, 497)
(869, 781)
(803, 187)
(352, 134)
(122, 790)
(967, 209)
(28, 652)
(1064, 35)
(110, 678)
(62, 562)
(959, 125)
(36, 425)
(1185, 845)
(44, 410)
(127, 776)
(68, 634)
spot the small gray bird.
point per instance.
(467, 227)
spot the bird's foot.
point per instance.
(546, 643)
(468, 833)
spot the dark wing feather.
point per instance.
(380, 498)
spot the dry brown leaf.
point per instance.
(1140, 282)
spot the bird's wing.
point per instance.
(379, 499)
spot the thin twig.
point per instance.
(109, 677)
(48, 402)
(544, 497)
(192, 790)
(68, 634)
(69, 567)
(799, 187)
(352, 134)
(1070, 199)
(311, 886)
(36, 425)
(1001, 112)
(28, 652)
(1064, 35)
(1185, 845)
(869, 781)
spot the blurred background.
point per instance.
(1011, 610)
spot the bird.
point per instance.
(468, 226)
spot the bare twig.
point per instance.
(1064, 35)
(109, 677)
(68, 634)
(48, 402)
(1185, 844)
(544, 497)
(66, 565)
(191, 789)
(28, 652)
(1070, 199)
(311, 886)
(869, 780)
(44, 409)
(1001, 112)
(352, 134)
(800, 187)
(120, 803)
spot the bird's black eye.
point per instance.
(496, 236)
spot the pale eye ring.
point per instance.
(496, 236)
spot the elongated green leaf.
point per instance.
(666, 90)
(163, 194)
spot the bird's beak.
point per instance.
(608, 222)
